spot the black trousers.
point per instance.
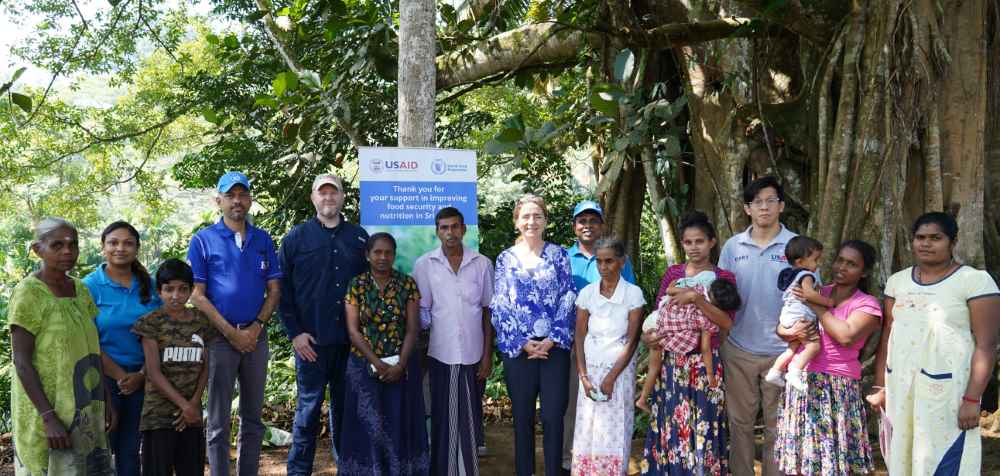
(527, 380)
(169, 452)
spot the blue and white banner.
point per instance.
(403, 188)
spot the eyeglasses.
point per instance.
(770, 202)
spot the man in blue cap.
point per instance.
(588, 226)
(237, 285)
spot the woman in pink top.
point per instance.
(822, 430)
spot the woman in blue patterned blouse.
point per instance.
(534, 316)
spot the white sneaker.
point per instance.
(796, 380)
(774, 377)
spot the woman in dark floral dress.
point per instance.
(688, 432)
(383, 405)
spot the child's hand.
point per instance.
(607, 386)
(811, 295)
(877, 399)
(190, 415)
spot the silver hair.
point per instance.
(48, 225)
(612, 244)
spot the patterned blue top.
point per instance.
(533, 303)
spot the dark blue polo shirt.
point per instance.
(319, 263)
(235, 279)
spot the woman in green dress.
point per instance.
(57, 399)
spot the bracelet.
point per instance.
(262, 323)
(51, 410)
(977, 401)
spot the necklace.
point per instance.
(947, 268)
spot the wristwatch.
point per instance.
(263, 324)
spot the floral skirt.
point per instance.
(823, 431)
(688, 432)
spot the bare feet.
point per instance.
(643, 404)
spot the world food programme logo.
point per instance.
(376, 166)
(438, 166)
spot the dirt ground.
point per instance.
(500, 460)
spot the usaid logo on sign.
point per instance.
(376, 166)
(401, 165)
(439, 167)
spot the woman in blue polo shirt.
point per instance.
(122, 290)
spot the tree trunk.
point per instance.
(962, 107)
(417, 89)
(991, 227)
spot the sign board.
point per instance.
(403, 188)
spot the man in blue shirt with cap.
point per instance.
(237, 285)
(588, 226)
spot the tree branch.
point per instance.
(97, 140)
(272, 31)
(547, 43)
(816, 21)
(145, 159)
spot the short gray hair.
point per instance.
(48, 225)
(612, 244)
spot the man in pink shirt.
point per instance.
(456, 286)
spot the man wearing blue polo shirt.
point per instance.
(756, 257)
(588, 226)
(319, 258)
(237, 285)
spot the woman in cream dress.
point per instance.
(937, 355)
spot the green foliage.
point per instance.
(194, 100)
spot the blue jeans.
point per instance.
(124, 441)
(312, 379)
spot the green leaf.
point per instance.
(22, 101)
(624, 65)
(212, 39)
(253, 17)
(604, 102)
(211, 116)
(17, 74)
(465, 25)
(265, 100)
(510, 134)
(337, 7)
(524, 79)
(515, 122)
(232, 42)
(279, 84)
(448, 13)
(496, 148)
(311, 78)
(283, 82)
